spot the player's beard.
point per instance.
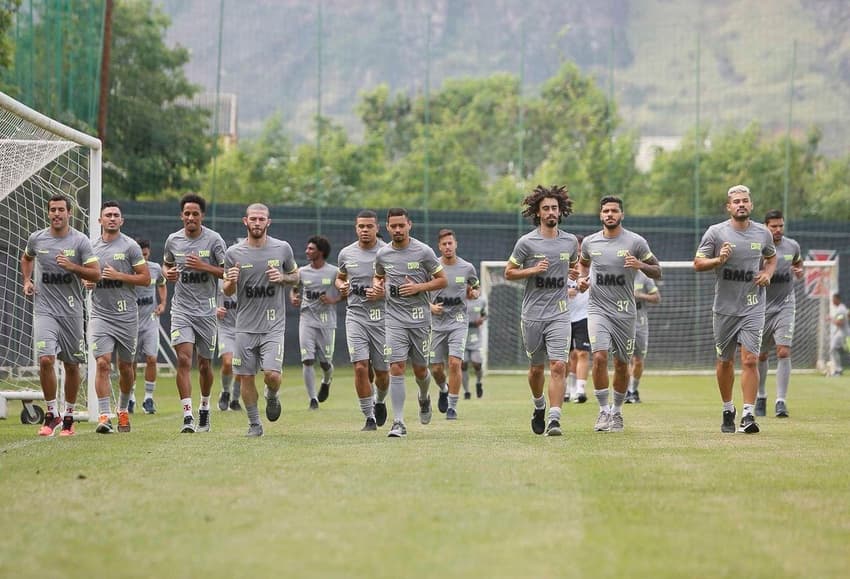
(257, 233)
(741, 217)
(551, 222)
(613, 225)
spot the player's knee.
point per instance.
(271, 377)
(103, 364)
(535, 371)
(46, 362)
(782, 352)
(558, 367)
(204, 365)
(325, 366)
(308, 362)
(150, 360)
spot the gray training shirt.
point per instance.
(58, 292)
(612, 284)
(146, 295)
(453, 297)
(735, 292)
(195, 291)
(313, 285)
(113, 299)
(358, 265)
(261, 303)
(418, 262)
(546, 294)
(780, 292)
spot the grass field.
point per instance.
(482, 497)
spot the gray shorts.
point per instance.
(729, 331)
(147, 343)
(200, 331)
(473, 356)
(612, 334)
(316, 343)
(226, 340)
(445, 343)
(60, 337)
(366, 343)
(109, 336)
(641, 340)
(403, 344)
(255, 352)
(547, 339)
(778, 329)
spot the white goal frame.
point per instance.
(822, 336)
(95, 161)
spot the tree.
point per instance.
(8, 11)
(156, 139)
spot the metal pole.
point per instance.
(697, 147)
(521, 126)
(788, 131)
(216, 113)
(426, 176)
(608, 106)
(103, 103)
(319, 119)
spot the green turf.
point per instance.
(482, 497)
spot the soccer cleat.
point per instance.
(50, 426)
(370, 425)
(188, 425)
(451, 414)
(104, 425)
(479, 390)
(761, 406)
(224, 400)
(254, 430)
(131, 406)
(728, 424)
(567, 397)
(398, 430)
(467, 396)
(380, 413)
(148, 406)
(67, 426)
(616, 422)
(204, 420)
(553, 428)
(580, 398)
(538, 421)
(234, 405)
(443, 402)
(630, 397)
(273, 408)
(324, 391)
(748, 424)
(781, 409)
(124, 421)
(314, 404)
(425, 411)
(603, 421)
(636, 397)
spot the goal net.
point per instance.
(39, 157)
(680, 331)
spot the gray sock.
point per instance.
(619, 398)
(464, 380)
(397, 396)
(237, 390)
(124, 401)
(253, 413)
(783, 377)
(328, 375)
(424, 384)
(309, 381)
(381, 395)
(453, 398)
(602, 398)
(367, 407)
(149, 388)
(634, 383)
(226, 382)
(762, 379)
(103, 405)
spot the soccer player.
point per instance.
(476, 311)
(779, 313)
(151, 299)
(450, 323)
(226, 314)
(610, 260)
(316, 295)
(115, 314)
(837, 334)
(364, 319)
(646, 292)
(579, 366)
(743, 257)
(257, 268)
(545, 258)
(64, 257)
(193, 261)
(405, 270)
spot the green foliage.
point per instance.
(8, 10)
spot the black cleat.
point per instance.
(224, 401)
(188, 425)
(234, 405)
(380, 413)
(131, 406)
(273, 408)
(467, 396)
(581, 398)
(781, 409)
(479, 390)
(630, 398)
(728, 425)
(748, 425)
(443, 402)
(370, 425)
(148, 406)
(553, 428)
(538, 421)
(761, 406)
(635, 397)
(567, 397)
(324, 391)
(203, 420)
(314, 404)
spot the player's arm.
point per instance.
(196, 263)
(231, 279)
(514, 271)
(162, 293)
(762, 278)
(797, 267)
(706, 261)
(27, 269)
(341, 283)
(652, 298)
(651, 267)
(89, 271)
(583, 279)
(141, 276)
(437, 282)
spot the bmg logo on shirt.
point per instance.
(69, 252)
(273, 263)
(412, 265)
(119, 256)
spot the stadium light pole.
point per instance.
(216, 113)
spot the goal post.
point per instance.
(39, 157)
(680, 330)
